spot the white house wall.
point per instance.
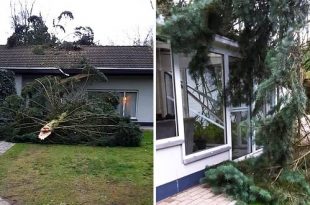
(175, 171)
(142, 84)
(170, 165)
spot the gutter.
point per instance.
(69, 71)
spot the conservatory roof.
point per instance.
(113, 57)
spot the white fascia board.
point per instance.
(225, 41)
(55, 68)
(217, 39)
(161, 44)
(28, 68)
(111, 68)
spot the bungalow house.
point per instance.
(195, 125)
(129, 70)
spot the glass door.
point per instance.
(240, 132)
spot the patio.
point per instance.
(198, 195)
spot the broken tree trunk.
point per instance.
(47, 129)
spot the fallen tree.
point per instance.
(58, 110)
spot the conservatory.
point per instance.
(195, 125)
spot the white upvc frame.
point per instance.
(221, 46)
(178, 106)
(226, 53)
(136, 103)
(250, 139)
(176, 82)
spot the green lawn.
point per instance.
(60, 174)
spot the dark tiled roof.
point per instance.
(98, 56)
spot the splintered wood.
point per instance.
(47, 129)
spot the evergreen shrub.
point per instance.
(7, 84)
(7, 87)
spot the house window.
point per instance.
(127, 101)
(240, 132)
(166, 126)
(127, 106)
(240, 114)
(203, 104)
(169, 94)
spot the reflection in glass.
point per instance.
(165, 98)
(129, 100)
(240, 117)
(203, 101)
(240, 132)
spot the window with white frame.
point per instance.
(127, 100)
(203, 104)
(240, 115)
(128, 104)
(166, 123)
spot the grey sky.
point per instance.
(113, 21)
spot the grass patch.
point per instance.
(64, 174)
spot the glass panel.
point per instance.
(120, 107)
(240, 132)
(104, 95)
(165, 98)
(130, 102)
(240, 116)
(237, 99)
(204, 118)
(169, 94)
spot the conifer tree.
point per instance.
(266, 33)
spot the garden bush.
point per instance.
(128, 134)
(7, 88)
(7, 84)
(72, 117)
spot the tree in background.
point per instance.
(31, 29)
(139, 40)
(85, 35)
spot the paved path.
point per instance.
(3, 202)
(198, 195)
(4, 146)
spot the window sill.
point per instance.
(205, 154)
(251, 155)
(168, 142)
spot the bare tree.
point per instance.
(139, 40)
(21, 16)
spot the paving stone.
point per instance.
(3, 202)
(5, 146)
(198, 195)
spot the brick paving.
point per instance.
(198, 195)
(4, 146)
